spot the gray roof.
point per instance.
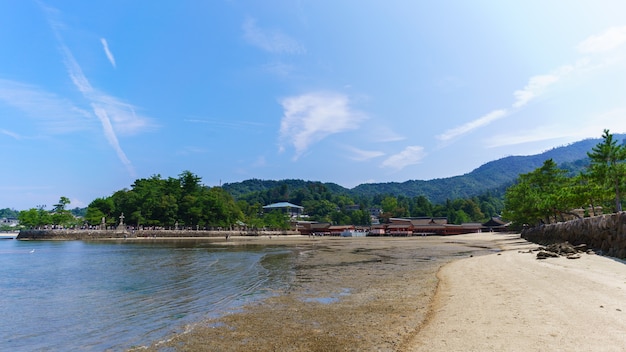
(282, 205)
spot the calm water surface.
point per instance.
(74, 295)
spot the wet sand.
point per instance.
(477, 292)
(347, 294)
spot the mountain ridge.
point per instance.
(493, 177)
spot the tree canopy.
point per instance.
(547, 194)
(167, 203)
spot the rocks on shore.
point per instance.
(565, 249)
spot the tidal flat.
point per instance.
(344, 294)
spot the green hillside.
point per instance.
(494, 177)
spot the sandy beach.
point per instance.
(476, 292)
(513, 302)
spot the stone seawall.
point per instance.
(106, 234)
(604, 232)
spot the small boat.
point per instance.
(8, 235)
(353, 233)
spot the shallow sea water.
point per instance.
(75, 295)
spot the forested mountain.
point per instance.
(493, 177)
(278, 188)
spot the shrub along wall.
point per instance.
(604, 232)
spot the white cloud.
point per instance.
(590, 127)
(114, 115)
(539, 134)
(383, 134)
(10, 134)
(309, 118)
(107, 51)
(607, 41)
(273, 41)
(363, 155)
(538, 84)
(102, 106)
(55, 114)
(112, 138)
(411, 155)
(472, 125)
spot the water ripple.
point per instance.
(100, 296)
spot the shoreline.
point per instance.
(347, 294)
(475, 292)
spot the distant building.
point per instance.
(290, 209)
(9, 222)
(496, 224)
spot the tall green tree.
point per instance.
(537, 196)
(607, 166)
(60, 215)
(34, 217)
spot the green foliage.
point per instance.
(546, 194)
(34, 217)
(276, 219)
(537, 196)
(155, 201)
(474, 197)
(608, 166)
(58, 216)
(9, 213)
(493, 177)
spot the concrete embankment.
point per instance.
(106, 234)
(604, 232)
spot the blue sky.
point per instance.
(94, 95)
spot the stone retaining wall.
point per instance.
(604, 232)
(104, 234)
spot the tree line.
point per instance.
(184, 202)
(548, 194)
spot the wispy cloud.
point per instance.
(309, 118)
(107, 51)
(592, 127)
(472, 125)
(411, 155)
(607, 41)
(10, 134)
(538, 134)
(383, 134)
(115, 116)
(537, 85)
(363, 155)
(111, 137)
(98, 104)
(270, 40)
(53, 113)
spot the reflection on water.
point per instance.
(96, 296)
